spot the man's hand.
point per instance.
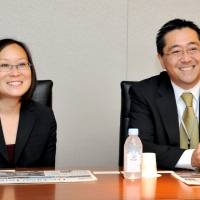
(195, 160)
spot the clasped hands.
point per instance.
(195, 160)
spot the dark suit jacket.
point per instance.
(36, 138)
(154, 112)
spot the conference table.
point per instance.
(110, 185)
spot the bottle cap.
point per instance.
(133, 131)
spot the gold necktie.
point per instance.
(189, 129)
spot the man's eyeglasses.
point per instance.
(8, 67)
(179, 53)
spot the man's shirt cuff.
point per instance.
(185, 160)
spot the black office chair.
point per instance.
(43, 92)
(124, 116)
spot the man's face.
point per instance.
(181, 57)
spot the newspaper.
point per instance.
(188, 177)
(50, 176)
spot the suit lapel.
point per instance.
(26, 123)
(168, 110)
(3, 150)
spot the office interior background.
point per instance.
(87, 47)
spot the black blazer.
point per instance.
(36, 138)
(154, 112)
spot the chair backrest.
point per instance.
(124, 116)
(43, 92)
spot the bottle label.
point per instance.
(133, 162)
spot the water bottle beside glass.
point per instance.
(133, 155)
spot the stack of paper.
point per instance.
(52, 176)
(188, 177)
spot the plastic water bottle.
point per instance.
(132, 155)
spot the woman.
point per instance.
(27, 129)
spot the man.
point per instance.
(159, 108)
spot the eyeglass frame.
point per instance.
(191, 51)
(20, 67)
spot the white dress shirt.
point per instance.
(185, 159)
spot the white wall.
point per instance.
(145, 18)
(82, 46)
(85, 46)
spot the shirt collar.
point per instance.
(178, 91)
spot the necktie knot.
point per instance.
(187, 98)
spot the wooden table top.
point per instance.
(107, 187)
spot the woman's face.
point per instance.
(15, 72)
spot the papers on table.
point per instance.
(188, 177)
(51, 176)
